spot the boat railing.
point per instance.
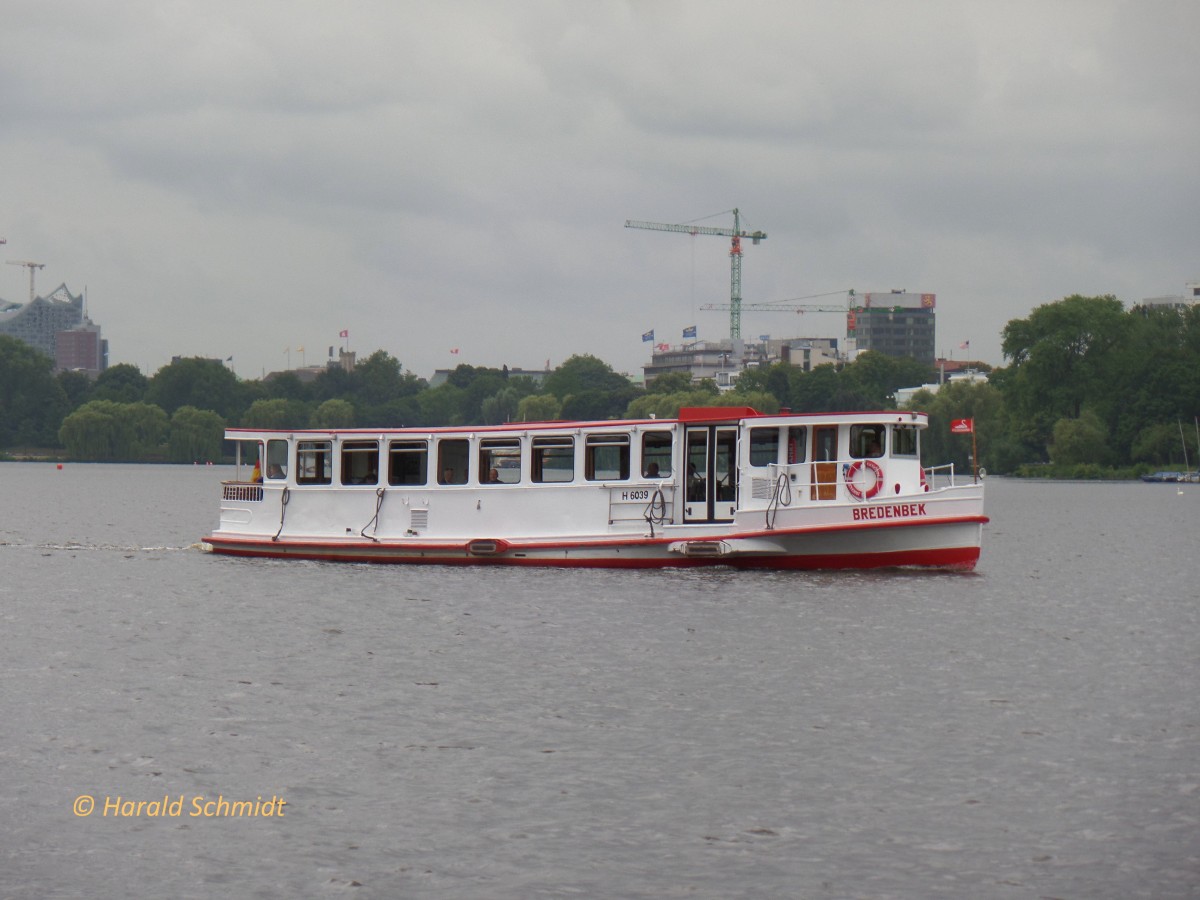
(241, 491)
(946, 470)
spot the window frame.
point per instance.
(860, 436)
(491, 452)
(663, 454)
(593, 443)
(321, 454)
(545, 447)
(399, 450)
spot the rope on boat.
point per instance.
(781, 496)
(656, 510)
(283, 502)
(379, 492)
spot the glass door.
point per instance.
(710, 479)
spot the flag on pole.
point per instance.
(962, 426)
(648, 336)
(662, 347)
(690, 331)
(454, 350)
(344, 333)
(965, 345)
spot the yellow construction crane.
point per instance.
(32, 267)
(735, 235)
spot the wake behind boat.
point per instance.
(715, 486)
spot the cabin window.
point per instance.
(904, 440)
(867, 441)
(500, 461)
(656, 454)
(408, 462)
(454, 455)
(797, 444)
(764, 446)
(277, 459)
(360, 462)
(553, 459)
(606, 457)
(314, 462)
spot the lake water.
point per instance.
(1029, 730)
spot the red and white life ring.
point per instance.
(857, 492)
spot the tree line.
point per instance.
(1088, 387)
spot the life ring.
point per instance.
(857, 492)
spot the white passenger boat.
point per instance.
(715, 486)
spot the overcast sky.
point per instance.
(239, 177)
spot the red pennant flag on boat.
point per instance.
(962, 426)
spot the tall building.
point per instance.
(57, 326)
(81, 349)
(896, 324)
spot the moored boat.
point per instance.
(714, 486)
(1164, 477)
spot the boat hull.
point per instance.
(953, 545)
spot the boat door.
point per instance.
(825, 467)
(710, 489)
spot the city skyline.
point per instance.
(225, 182)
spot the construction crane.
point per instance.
(32, 267)
(735, 235)
(792, 306)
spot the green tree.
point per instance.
(1164, 445)
(539, 408)
(202, 383)
(670, 383)
(104, 430)
(814, 391)
(979, 401)
(599, 403)
(122, 383)
(334, 414)
(196, 435)
(667, 406)
(1059, 356)
(501, 408)
(287, 386)
(144, 428)
(77, 387)
(32, 401)
(875, 377)
(277, 414)
(583, 373)
(1080, 441)
(441, 405)
(90, 432)
(382, 394)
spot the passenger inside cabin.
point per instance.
(493, 476)
(274, 471)
(652, 470)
